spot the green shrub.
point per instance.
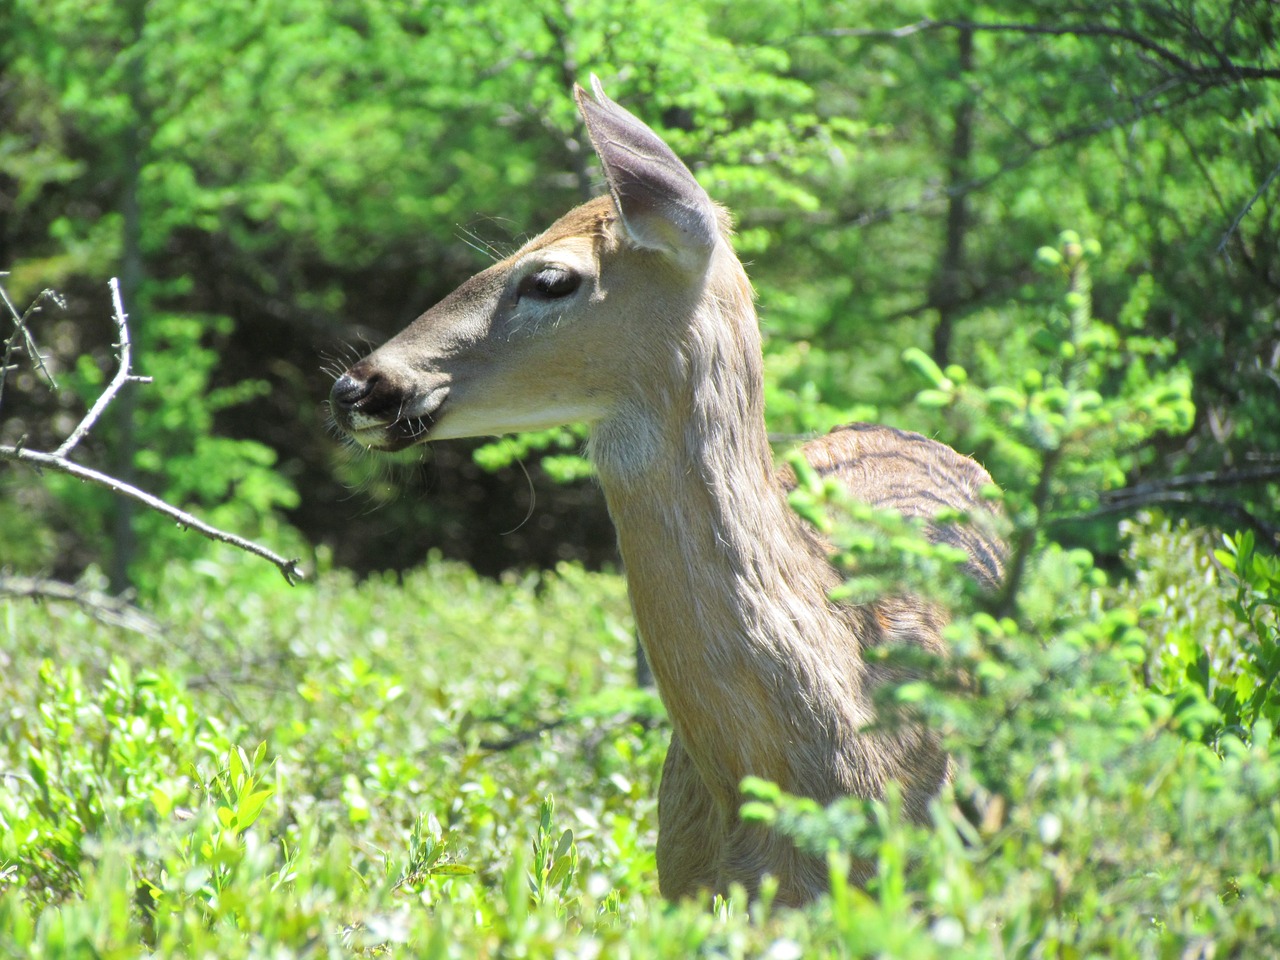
(453, 766)
(1116, 769)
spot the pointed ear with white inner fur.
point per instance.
(662, 206)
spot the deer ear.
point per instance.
(662, 206)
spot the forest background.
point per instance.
(1048, 234)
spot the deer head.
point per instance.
(576, 326)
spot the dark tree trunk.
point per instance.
(133, 148)
(948, 290)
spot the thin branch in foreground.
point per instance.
(292, 572)
(123, 376)
(20, 331)
(60, 461)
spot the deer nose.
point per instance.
(348, 390)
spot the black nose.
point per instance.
(348, 391)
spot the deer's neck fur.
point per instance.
(760, 672)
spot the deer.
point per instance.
(632, 314)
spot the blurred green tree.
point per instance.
(319, 173)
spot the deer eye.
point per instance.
(549, 283)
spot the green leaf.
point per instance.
(926, 368)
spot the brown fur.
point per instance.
(761, 673)
(659, 350)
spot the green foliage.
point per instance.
(323, 172)
(306, 168)
(88, 760)
(1090, 397)
(1090, 725)
(877, 550)
(428, 861)
(1244, 687)
(371, 813)
(1086, 816)
(555, 861)
(1115, 762)
(1088, 813)
(562, 467)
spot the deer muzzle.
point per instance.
(377, 412)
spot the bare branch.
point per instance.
(52, 461)
(122, 376)
(1062, 138)
(113, 611)
(1244, 517)
(1235, 224)
(1173, 491)
(518, 737)
(1176, 68)
(1225, 478)
(60, 462)
(1225, 71)
(20, 331)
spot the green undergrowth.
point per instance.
(440, 765)
(346, 765)
(444, 766)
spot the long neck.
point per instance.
(730, 592)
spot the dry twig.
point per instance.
(20, 332)
(60, 460)
(113, 611)
(122, 376)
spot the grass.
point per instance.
(437, 765)
(440, 765)
(334, 754)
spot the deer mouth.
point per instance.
(382, 419)
(395, 436)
